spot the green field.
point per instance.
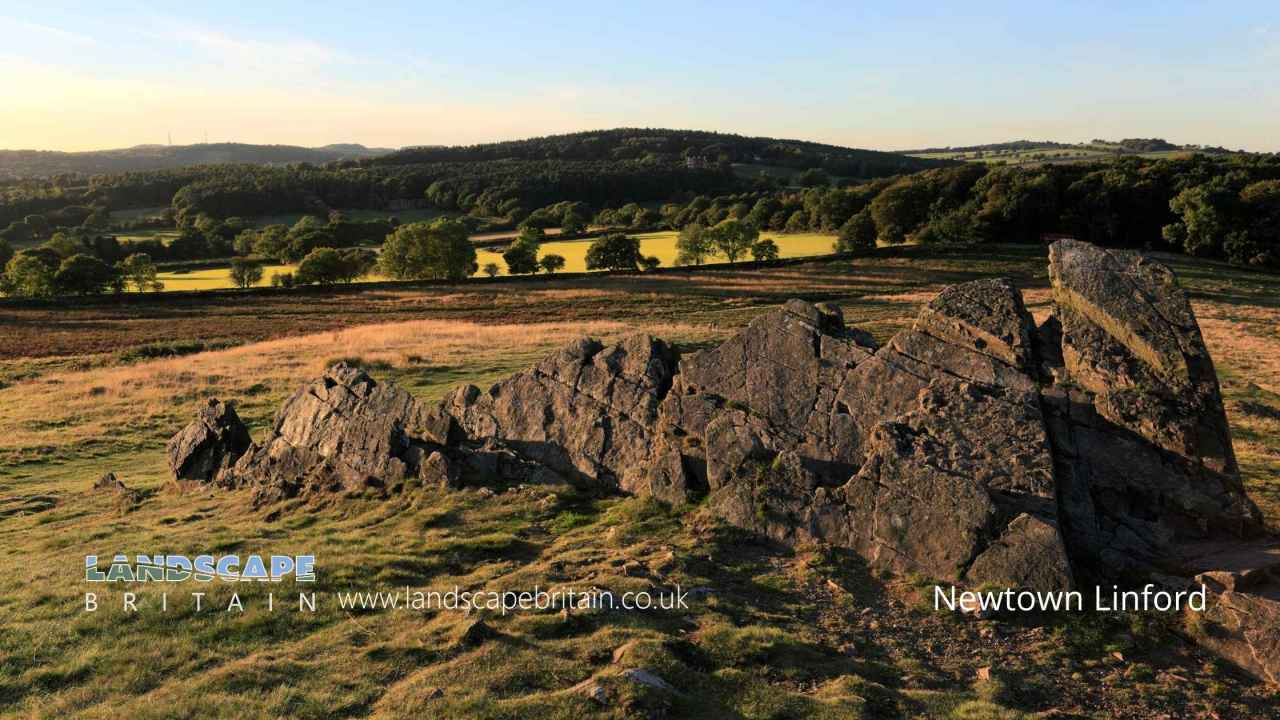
(164, 235)
(659, 244)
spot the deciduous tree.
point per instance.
(435, 250)
(613, 251)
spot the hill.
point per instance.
(694, 147)
(45, 163)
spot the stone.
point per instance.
(111, 486)
(1245, 629)
(1142, 444)
(586, 412)
(109, 483)
(203, 450)
(961, 488)
(439, 471)
(1129, 336)
(475, 633)
(641, 676)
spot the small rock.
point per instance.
(109, 481)
(476, 633)
(620, 653)
(595, 691)
(644, 677)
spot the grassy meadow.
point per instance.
(772, 633)
(658, 244)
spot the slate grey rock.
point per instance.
(203, 450)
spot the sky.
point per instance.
(883, 75)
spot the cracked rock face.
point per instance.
(345, 432)
(973, 447)
(210, 444)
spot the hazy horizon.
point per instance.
(883, 76)
(233, 141)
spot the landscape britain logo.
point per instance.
(200, 569)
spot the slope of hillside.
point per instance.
(695, 146)
(43, 163)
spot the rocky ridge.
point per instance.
(973, 447)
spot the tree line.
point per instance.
(1217, 207)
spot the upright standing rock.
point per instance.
(1129, 336)
(1143, 446)
(213, 442)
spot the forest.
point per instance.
(1213, 206)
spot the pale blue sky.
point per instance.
(884, 75)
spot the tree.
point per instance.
(613, 251)
(857, 234)
(692, 246)
(650, 263)
(356, 263)
(6, 252)
(574, 223)
(1260, 204)
(491, 269)
(813, 177)
(99, 219)
(84, 275)
(272, 241)
(245, 241)
(764, 250)
(245, 273)
(522, 256)
(521, 259)
(17, 233)
(429, 250)
(900, 209)
(29, 275)
(302, 242)
(64, 244)
(732, 238)
(282, 280)
(551, 263)
(321, 266)
(139, 270)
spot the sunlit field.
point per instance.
(658, 244)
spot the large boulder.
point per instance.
(202, 451)
(588, 412)
(1130, 337)
(344, 432)
(960, 488)
(1145, 461)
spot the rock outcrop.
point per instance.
(973, 447)
(347, 433)
(213, 442)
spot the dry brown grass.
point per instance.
(63, 408)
